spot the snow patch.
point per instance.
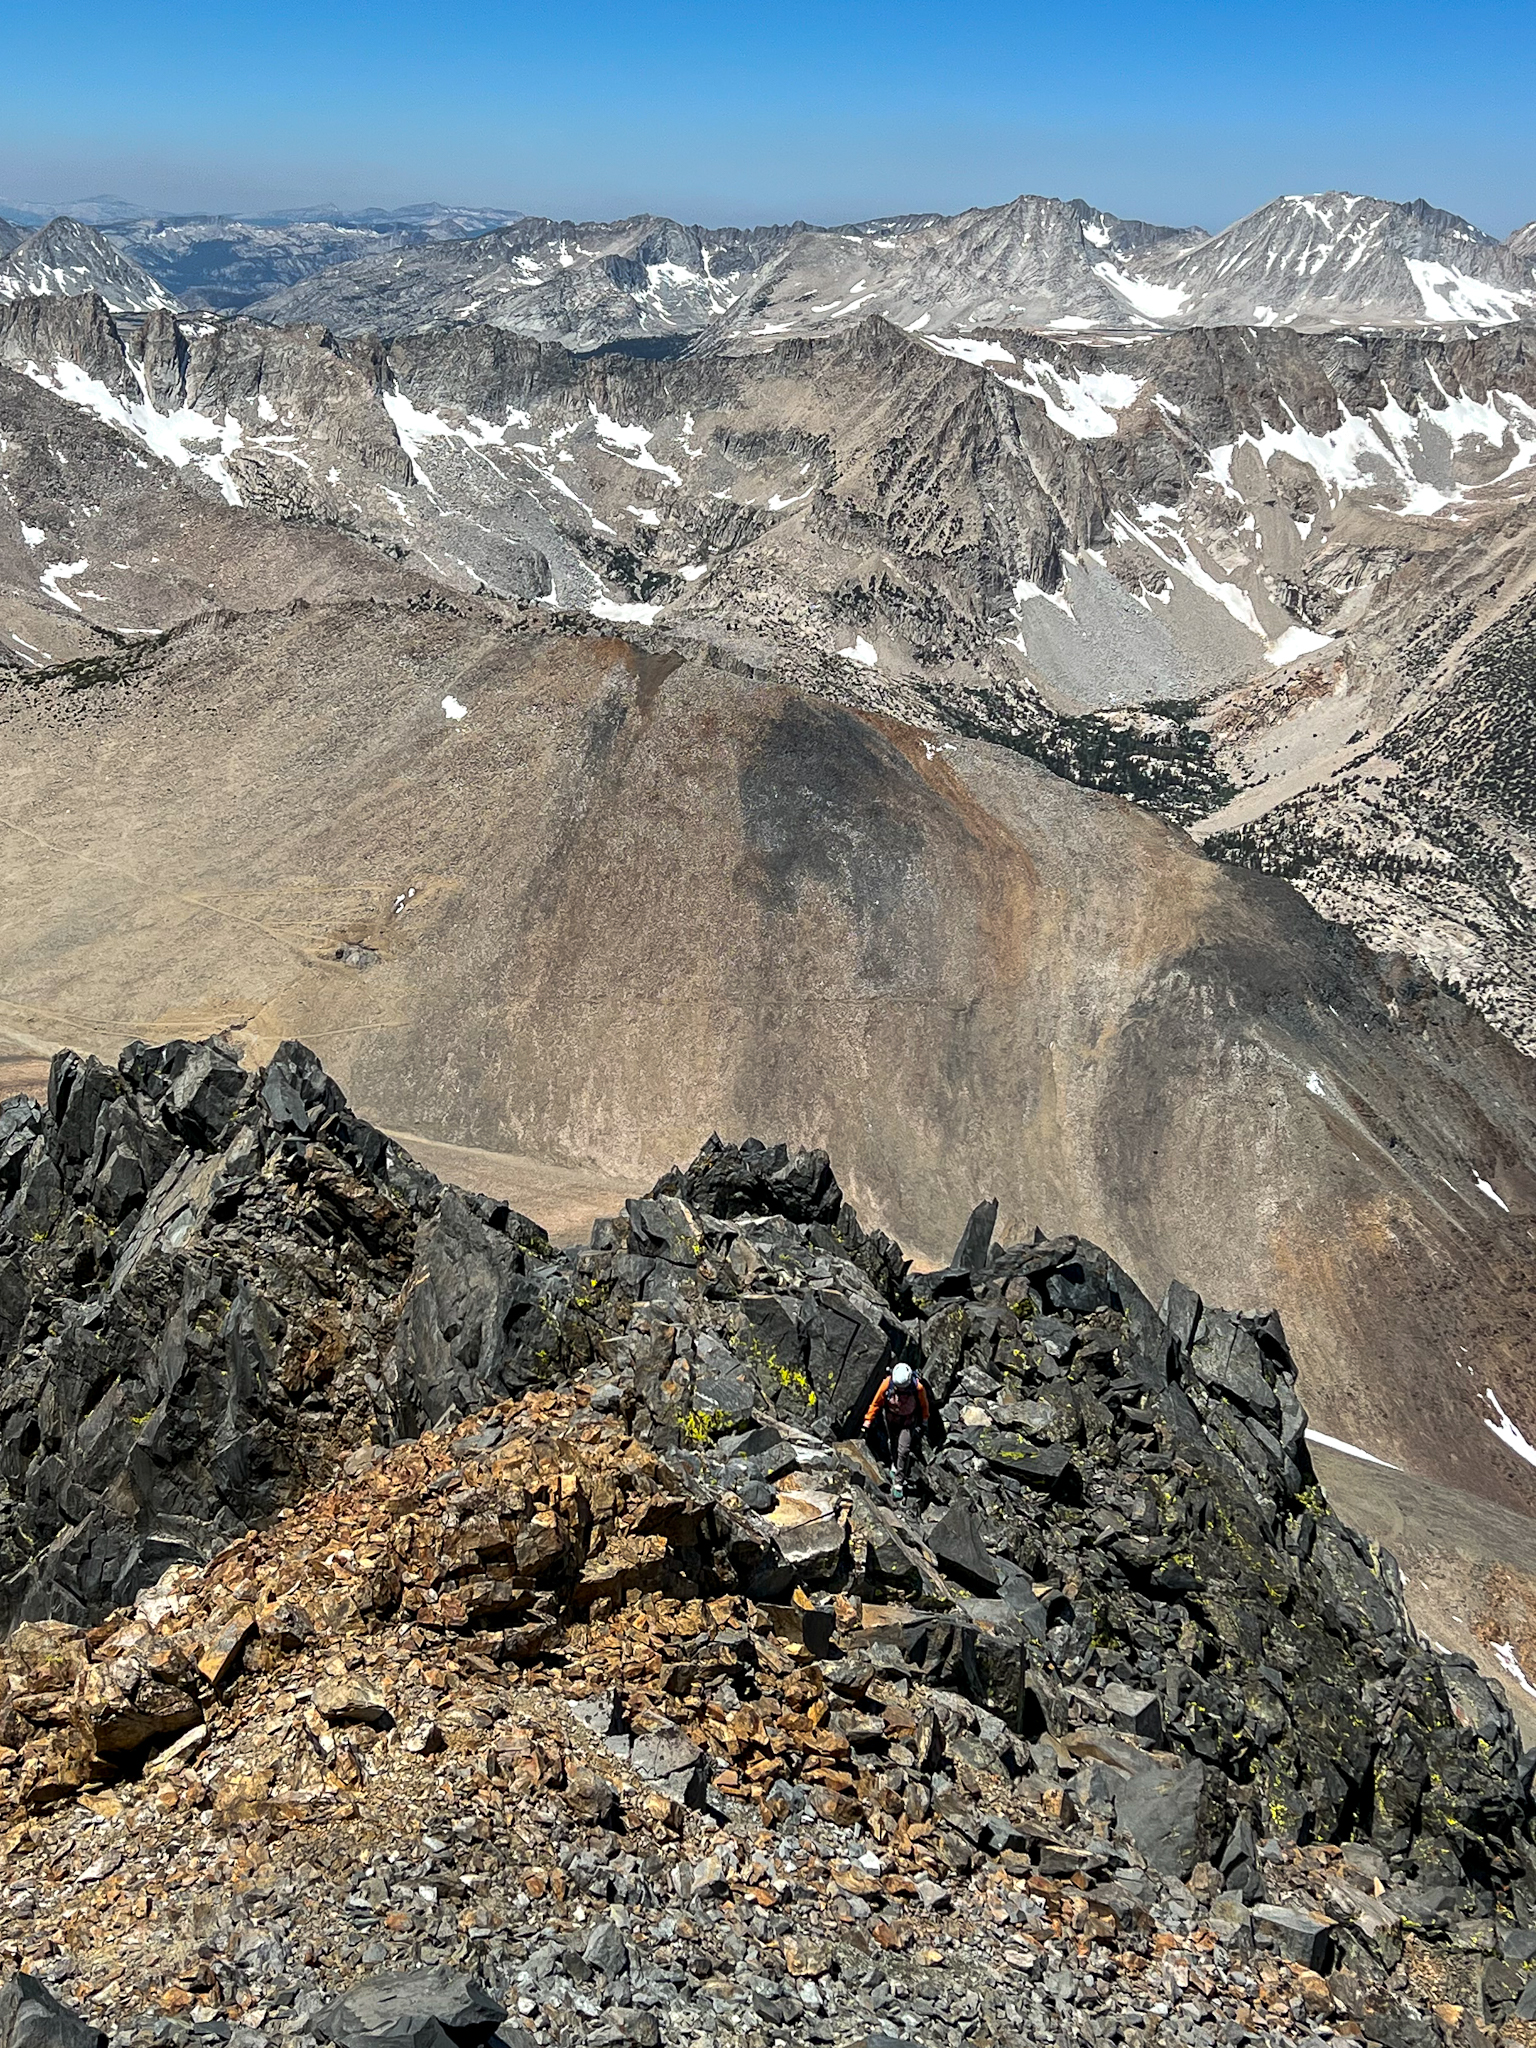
(1337, 1443)
(1084, 406)
(617, 438)
(1483, 1188)
(57, 573)
(861, 652)
(624, 614)
(1024, 590)
(1452, 295)
(1508, 1661)
(1294, 642)
(966, 351)
(1185, 564)
(32, 535)
(454, 710)
(173, 437)
(415, 428)
(1506, 1431)
(1153, 301)
(1386, 448)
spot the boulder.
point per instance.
(592, 1799)
(353, 1699)
(1163, 1810)
(669, 1760)
(1047, 1467)
(605, 1950)
(815, 1549)
(421, 2008)
(1138, 1713)
(1300, 1936)
(957, 1542)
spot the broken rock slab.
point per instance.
(670, 1761)
(412, 2009)
(1163, 1810)
(1300, 1936)
(956, 1541)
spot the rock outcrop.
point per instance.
(219, 1284)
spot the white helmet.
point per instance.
(901, 1376)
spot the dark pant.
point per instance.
(900, 1442)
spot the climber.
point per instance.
(901, 1406)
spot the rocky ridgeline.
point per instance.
(543, 1615)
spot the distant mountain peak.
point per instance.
(1342, 258)
(101, 211)
(67, 258)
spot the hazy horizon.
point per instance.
(322, 209)
(1180, 115)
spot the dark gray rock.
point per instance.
(606, 1950)
(1138, 1713)
(207, 1089)
(664, 1228)
(31, 2017)
(668, 1759)
(419, 2008)
(956, 1540)
(753, 1179)
(975, 1246)
(1300, 1936)
(474, 1329)
(1047, 1467)
(1164, 1811)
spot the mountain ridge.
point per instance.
(1032, 262)
(1321, 260)
(1361, 258)
(1219, 571)
(413, 1516)
(68, 258)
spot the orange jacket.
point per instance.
(885, 1387)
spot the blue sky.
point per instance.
(719, 113)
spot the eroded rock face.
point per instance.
(197, 1271)
(1116, 1540)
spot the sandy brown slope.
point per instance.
(647, 904)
